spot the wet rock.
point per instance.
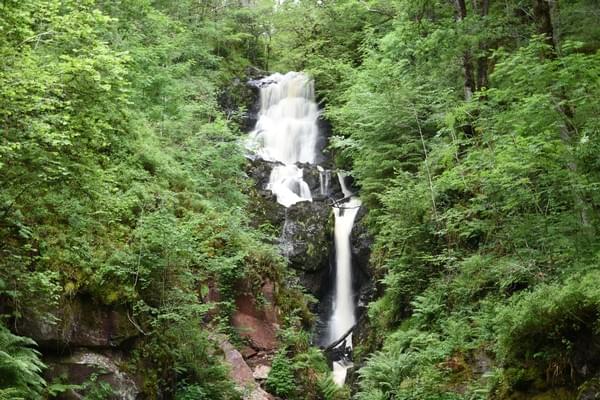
(313, 175)
(263, 203)
(315, 283)
(307, 236)
(81, 366)
(361, 242)
(260, 171)
(79, 323)
(360, 245)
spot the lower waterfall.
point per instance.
(344, 308)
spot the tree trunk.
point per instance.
(543, 17)
(542, 12)
(469, 80)
(482, 60)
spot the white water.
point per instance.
(324, 177)
(287, 132)
(343, 317)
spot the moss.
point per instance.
(552, 394)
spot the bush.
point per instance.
(554, 328)
(281, 378)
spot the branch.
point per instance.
(340, 340)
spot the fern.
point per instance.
(20, 367)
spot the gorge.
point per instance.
(414, 216)
(287, 136)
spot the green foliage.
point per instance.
(20, 367)
(552, 325)
(281, 378)
(472, 133)
(473, 140)
(300, 371)
(121, 178)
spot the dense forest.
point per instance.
(472, 132)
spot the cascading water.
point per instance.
(324, 177)
(343, 317)
(287, 134)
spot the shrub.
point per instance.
(555, 328)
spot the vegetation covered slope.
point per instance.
(122, 181)
(473, 131)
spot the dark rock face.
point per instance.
(238, 99)
(307, 235)
(81, 365)
(360, 244)
(80, 323)
(82, 339)
(305, 229)
(306, 241)
(260, 171)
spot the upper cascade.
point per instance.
(287, 132)
(287, 129)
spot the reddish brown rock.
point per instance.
(248, 352)
(241, 373)
(261, 334)
(247, 304)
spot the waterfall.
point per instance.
(287, 135)
(343, 317)
(287, 132)
(324, 177)
(343, 301)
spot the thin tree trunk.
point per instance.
(543, 17)
(469, 79)
(542, 12)
(434, 208)
(482, 59)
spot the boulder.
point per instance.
(83, 366)
(79, 323)
(261, 372)
(261, 335)
(306, 238)
(241, 373)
